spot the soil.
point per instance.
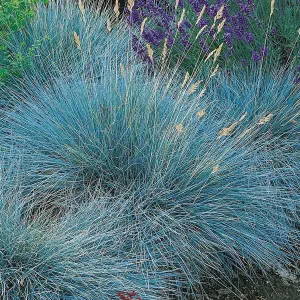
(272, 288)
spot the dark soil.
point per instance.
(272, 288)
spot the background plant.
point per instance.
(60, 40)
(14, 14)
(242, 26)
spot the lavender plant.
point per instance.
(192, 29)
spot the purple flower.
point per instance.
(249, 37)
(140, 50)
(134, 17)
(203, 45)
(203, 22)
(198, 4)
(244, 62)
(185, 42)
(255, 56)
(228, 38)
(186, 24)
(153, 36)
(212, 11)
(164, 24)
(273, 31)
(180, 3)
(263, 51)
(170, 41)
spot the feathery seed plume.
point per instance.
(82, 9)
(77, 40)
(201, 113)
(194, 87)
(219, 14)
(217, 53)
(181, 18)
(117, 9)
(215, 169)
(143, 25)
(214, 72)
(209, 55)
(201, 14)
(108, 25)
(272, 7)
(165, 49)
(200, 31)
(130, 5)
(150, 52)
(179, 128)
(186, 78)
(228, 130)
(220, 26)
(122, 70)
(265, 119)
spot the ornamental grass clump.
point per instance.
(153, 183)
(109, 131)
(78, 255)
(209, 189)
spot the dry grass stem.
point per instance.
(77, 40)
(201, 14)
(130, 5)
(186, 78)
(143, 25)
(265, 119)
(117, 8)
(179, 127)
(150, 52)
(181, 18)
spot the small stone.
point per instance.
(285, 282)
(224, 291)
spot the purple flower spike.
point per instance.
(249, 37)
(255, 56)
(164, 24)
(153, 36)
(244, 62)
(263, 51)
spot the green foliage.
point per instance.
(14, 14)
(283, 30)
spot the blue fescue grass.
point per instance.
(77, 256)
(202, 201)
(197, 187)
